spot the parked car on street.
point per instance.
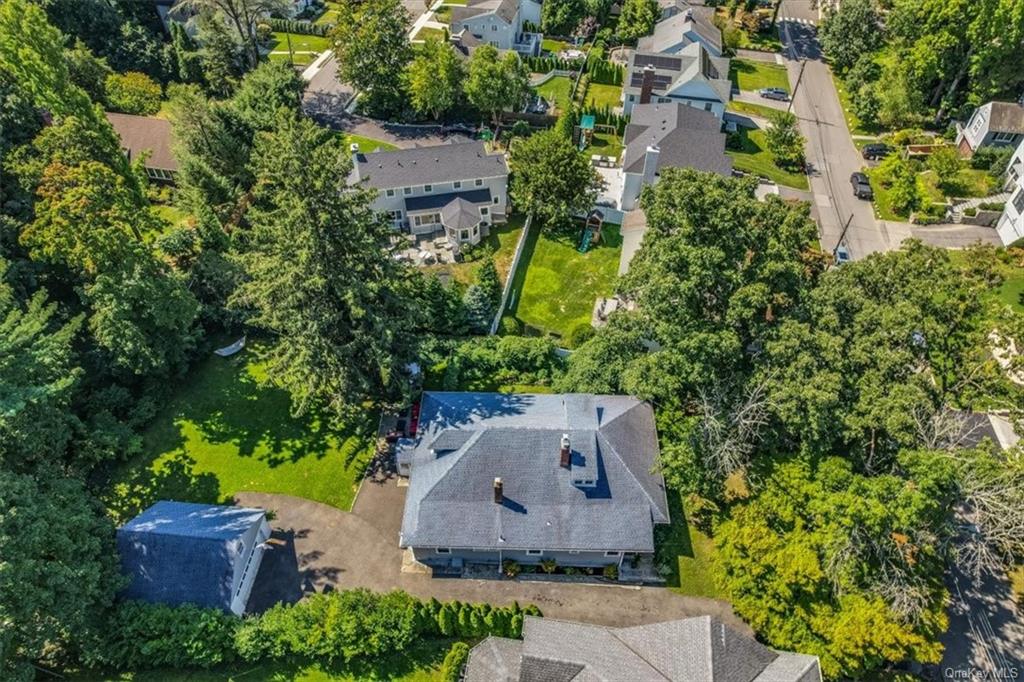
(842, 255)
(774, 93)
(875, 151)
(861, 186)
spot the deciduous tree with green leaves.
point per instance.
(784, 140)
(849, 32)
(551, 178)
(373, 50)
(434, 78)
(133, 93)
(637, 19)
(242, 15)
(496, 82)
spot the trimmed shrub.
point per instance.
(306, 28)
(579, 335)
(611, 571)
(454, 662)
(510, 568)
(133, 93)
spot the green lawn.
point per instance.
(443, 15)
(429, 32)
(605, 144)
(689, 553)
(557, 90)
(227, 430)
(1011, 292)
(368, 144)
(500, 244)
(330, 15)
(600, 95)
(747, 74)
(556, 285)
(551, 45)
(296, 58)
(170, 213)
(755, 158)
(970, 182)
(751, 109)
(421, 662)
(300, 42)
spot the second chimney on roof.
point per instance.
(499, 494)
(564, 452)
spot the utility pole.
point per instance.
(799, 78)
(842, 236)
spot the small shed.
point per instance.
(203, 554)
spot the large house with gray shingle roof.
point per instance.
(458, 189)
(500, 23)
(691, 75)
(684, 26)
(527, 478)
(700, 649)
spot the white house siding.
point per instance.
(384, 203)
(717, 107)
(429, 556)
(241, 584)
(1011, 224)
(529, 11)
(632, 184)
(491, 29)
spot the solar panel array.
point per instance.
(661, 82)
(658, 61)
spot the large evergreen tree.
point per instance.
(320, 279)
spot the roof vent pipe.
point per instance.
(564, 452)
(499, 494)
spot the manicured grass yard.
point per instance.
(557, 90)
(751, 109)
(368, 144)
(429, 32)
(421, 662)
(443, 15)
(755, 158)
(500, 243)
(689, 552)
(970, 182)
(556, 285)
(330, 15)
(300, 42)
(605, 144)
(600, 95)
(227, 430)
(747, 74)
(553, 46)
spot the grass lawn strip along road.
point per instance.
(755, 158)
(557, 285)
(228, 430)
(750, 75)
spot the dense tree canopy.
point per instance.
(373, 51)
(434, 78)
(496, 82)
(551, 178)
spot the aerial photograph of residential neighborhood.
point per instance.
(511, 340)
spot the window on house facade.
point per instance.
(395, 215)
(1004, 137)
(390, 192)
(496, 201)
(427, 219)
(1018, 200)
(478, 182)
(494, 27)
(457, 184)
(476, 230)
(407, 190)
(443, 550)
(978, 122)
(428, 188)
(574, 551)
(612, 553)
(465, 235)
(707, 106)
(484, 210)
(534, 552)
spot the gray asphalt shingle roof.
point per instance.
(145, 135)
(669, 32)
(686, 137)
(1006, 117)
(179, 552)
(697, 649)
(427, 165)
(517, 438)
(505, 9)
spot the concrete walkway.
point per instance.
(317, 547)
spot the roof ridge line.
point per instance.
(625, 466)
(637, 653)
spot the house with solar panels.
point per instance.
(495, 477)
(184, 553)
(690, 76)
(458, 190)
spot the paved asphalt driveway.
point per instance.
(316, 547)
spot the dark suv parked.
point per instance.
(861, 186)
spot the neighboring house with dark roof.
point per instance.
(692, 76)
(996, 124)
(500, 23)
(699, 649)
(420, 189)
(528, 478)
(669, 136)
(185, 553)
(685, 26)
(150, 137)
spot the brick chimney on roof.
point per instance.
(499, 494)
(647, 84)
(565, 452)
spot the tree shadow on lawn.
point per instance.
(228, 401)
(176, 479)
(673, 541)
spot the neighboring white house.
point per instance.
(691, 76)
(460, 189)
(500, 23)
(1011, 224)
(683, 26)
(670, 135)
(184, 553)
(996, 124)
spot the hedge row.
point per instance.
(547, 64)
(328, 628)
(604, 72)
(306, 28)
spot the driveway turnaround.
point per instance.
(318, 548)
